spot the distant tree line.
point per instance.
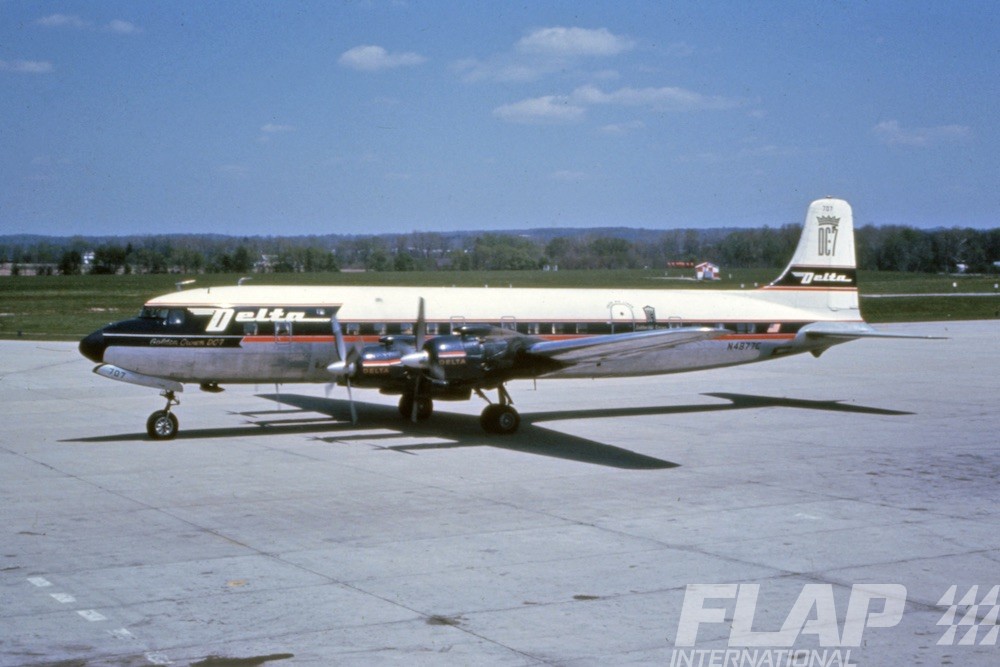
(892, 248)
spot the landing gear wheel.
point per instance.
(425, 407)
(500, 419)
(162, 425)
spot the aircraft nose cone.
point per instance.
(93, 346)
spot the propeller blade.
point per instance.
(350, 402)
(345, 365)
(420, 331)
(338, 337)
(433, 367)
(416, 393)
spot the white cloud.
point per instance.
(501, 69)
(548, 109)
(374, 58)
(573, 42)
(892, 133)
(623, 128)
(544, 52)
(564, 108)
(64, 21)
(667, 98)
(75, 22)
(750, 148)
(270, 129)
(122, 27)
(26, 66)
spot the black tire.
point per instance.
(500, 419)
(162, 425)
(425, 407)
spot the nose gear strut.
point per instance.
(162, 424)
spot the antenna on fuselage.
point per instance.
(181, 284)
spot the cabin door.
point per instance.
(621, 316)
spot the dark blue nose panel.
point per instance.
(93, 346)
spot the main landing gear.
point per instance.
(416, 408)
(162, 424)
(500, 417)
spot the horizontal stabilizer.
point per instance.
(593, 348)
(844, 331)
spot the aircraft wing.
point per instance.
(595, 348)
(845, 331)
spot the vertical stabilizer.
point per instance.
(824, 260)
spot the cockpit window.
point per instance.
(169, 316)
(148, 313)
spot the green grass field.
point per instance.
(68, 307)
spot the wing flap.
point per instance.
(592, 348)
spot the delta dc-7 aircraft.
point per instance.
(425, 344)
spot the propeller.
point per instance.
(346, 364)
(423, 358)
(421, 361)
(420, 335)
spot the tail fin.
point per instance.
(824, 260)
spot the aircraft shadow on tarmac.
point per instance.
(460, 431)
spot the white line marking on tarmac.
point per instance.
(92, 615)
(41, 582)
(122, 633)
(159, 659)
(65, 598)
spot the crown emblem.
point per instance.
(830, 220)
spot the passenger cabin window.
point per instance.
(432, 328)
(175, 317)
(353, 329)
(249, 328)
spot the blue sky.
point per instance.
(395, 116)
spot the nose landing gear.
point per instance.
(162, 424)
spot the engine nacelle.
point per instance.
(382, 362)
(468, 358)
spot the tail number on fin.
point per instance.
(827, 235)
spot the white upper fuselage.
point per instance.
(531, 305)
